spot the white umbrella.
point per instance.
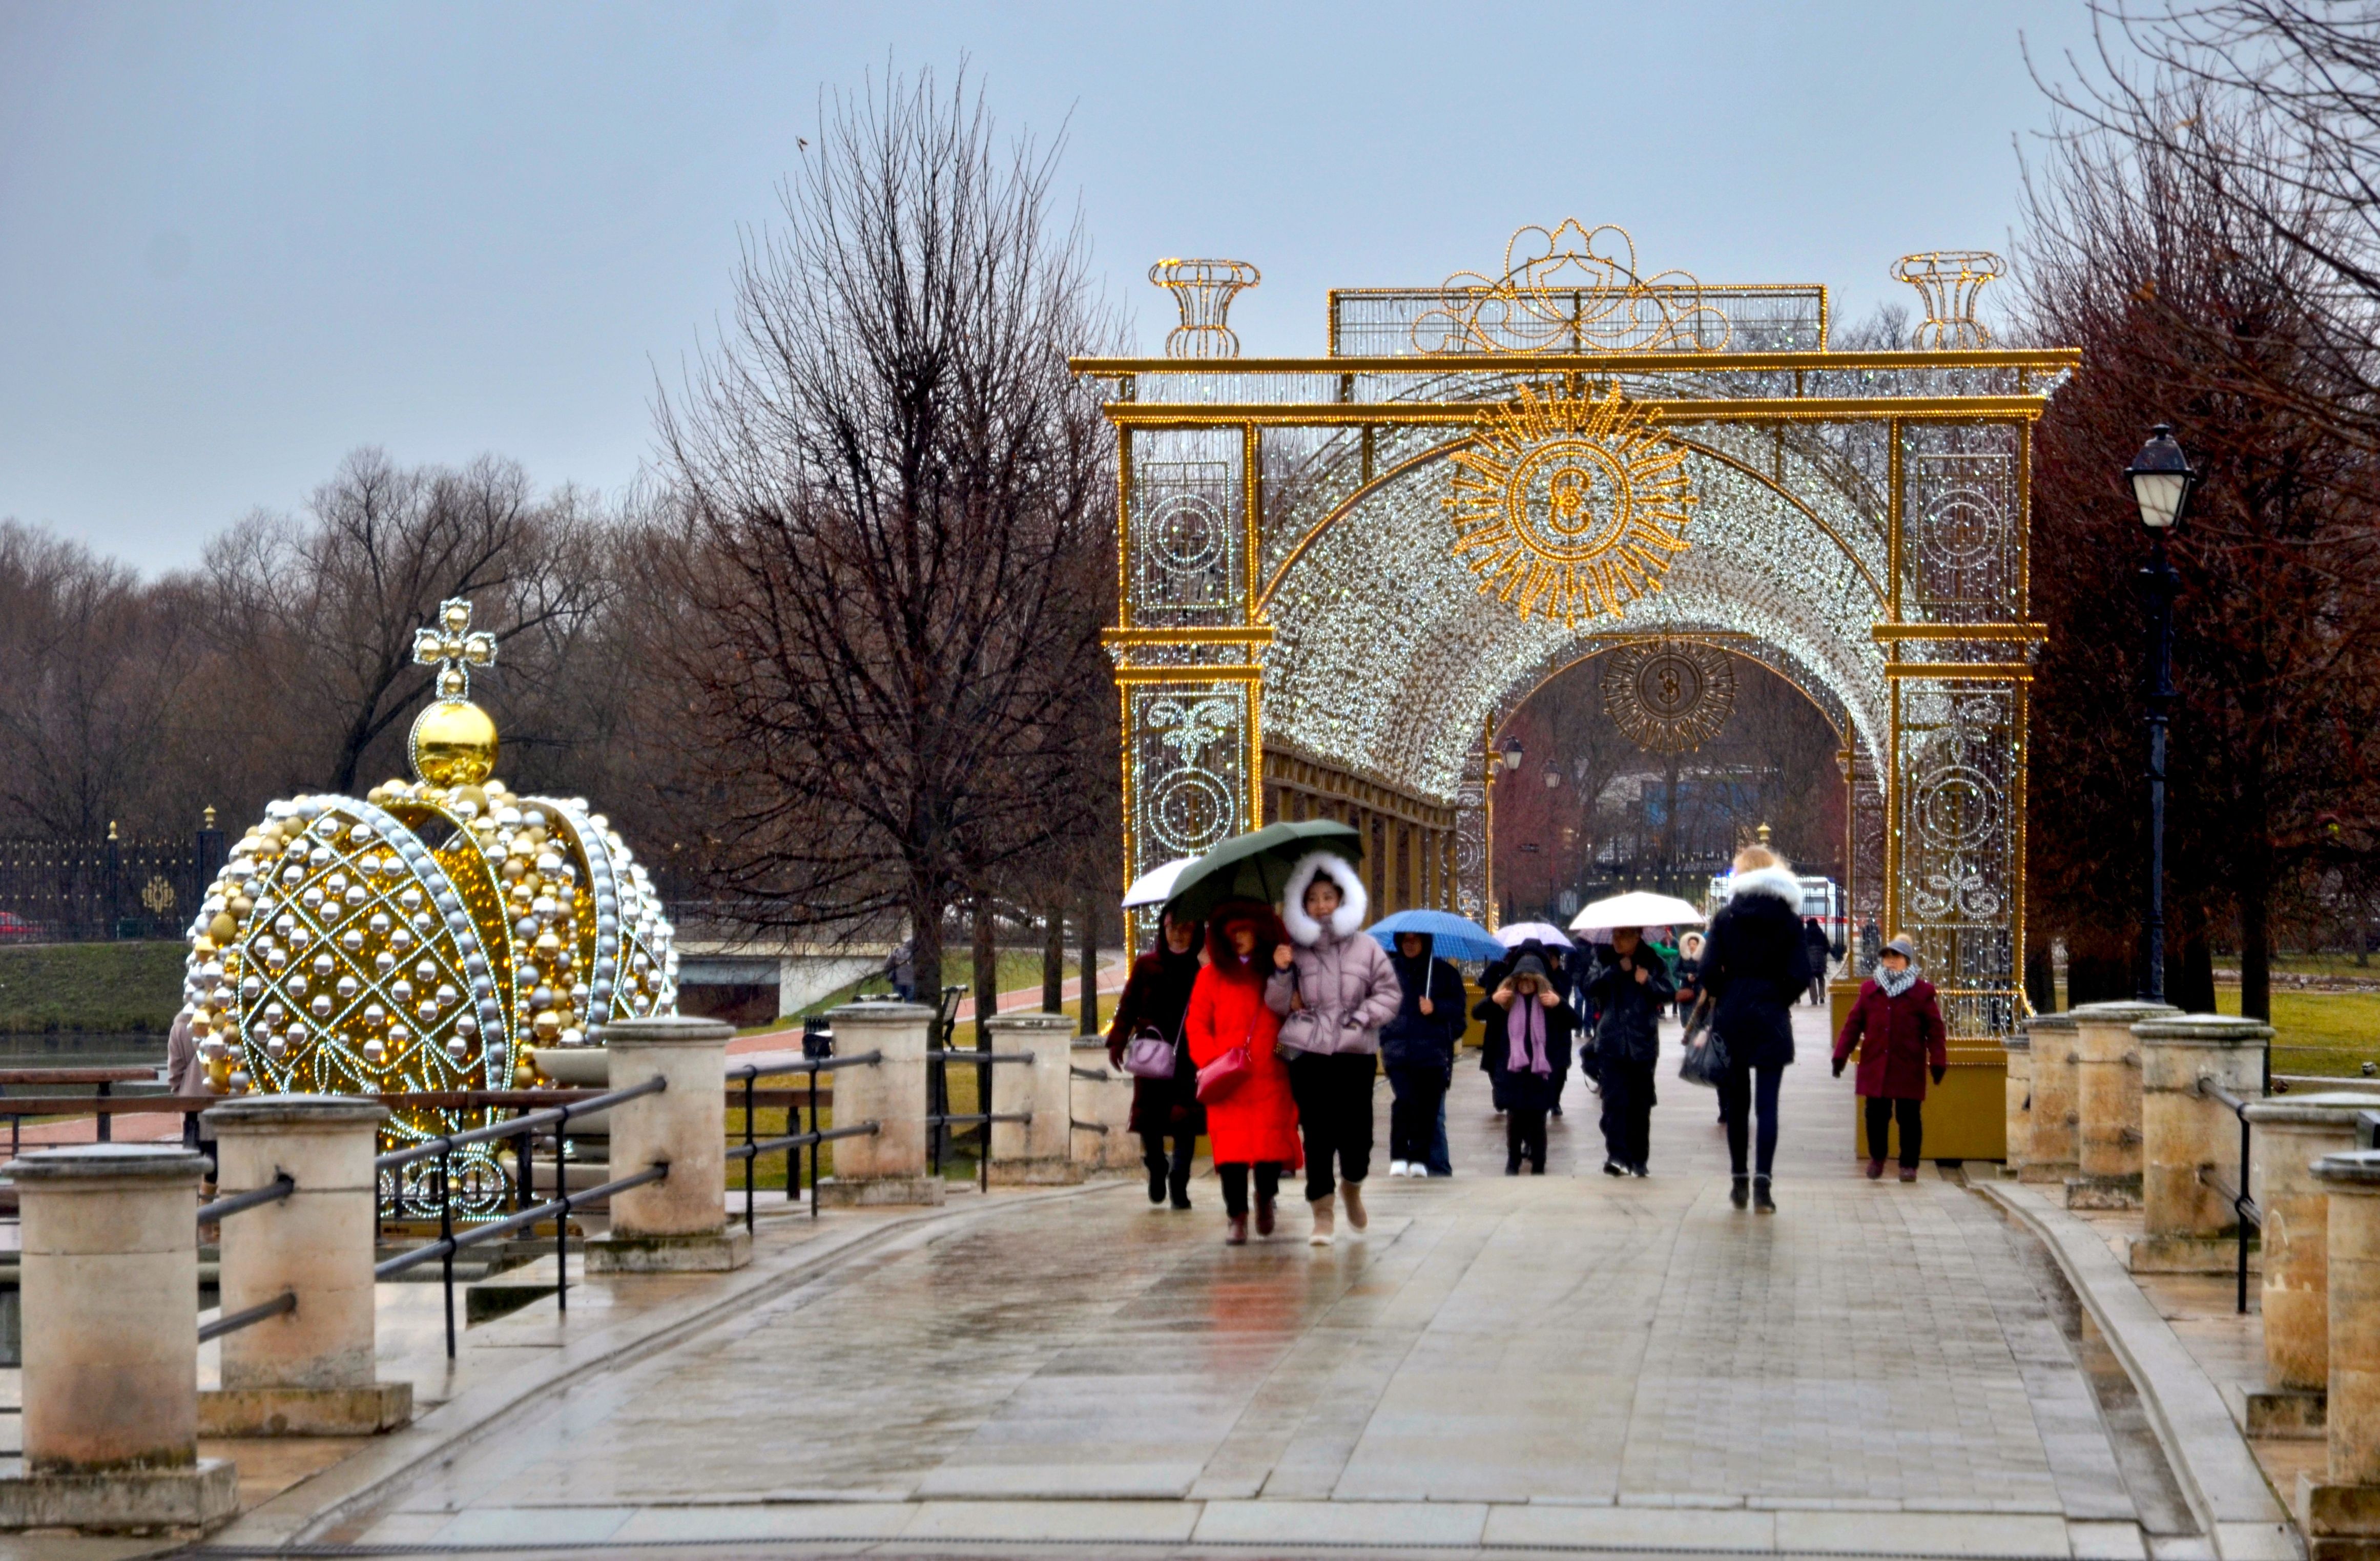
(1637, 908)
(1156, 886)
(1512, 937)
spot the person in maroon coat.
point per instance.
(1896, 1026)
(1157, 998)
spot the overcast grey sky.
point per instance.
(238, 240)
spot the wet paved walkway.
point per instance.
(1566, 1360)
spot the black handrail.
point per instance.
(938, 1062)
(2245, 1215)
(553, 1116)
(232, 1322)
(219, 1209)
(751, 1149)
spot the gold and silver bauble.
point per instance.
(423, 938)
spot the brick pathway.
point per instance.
(1873, 1350)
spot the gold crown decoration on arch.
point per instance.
(1576, 289)
(1669, 695)
(1950, 282)
(424, 936)
(1567, 507)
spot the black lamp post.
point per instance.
(2160, 479)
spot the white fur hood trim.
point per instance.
(1355, 906)
(1774, 881)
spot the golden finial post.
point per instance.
(1949, 281)
(452, 742)
(1203, 290)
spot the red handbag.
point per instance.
(1220, 1078)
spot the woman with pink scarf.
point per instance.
(1527, 1050)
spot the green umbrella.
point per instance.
(1256, 866)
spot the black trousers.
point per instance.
(1880, 1114)
(1334, 1109)
(1177, 1171)
(1524, 1138)
(1739, 1090)
(1417, 1093)
(1234, 1179)
(1627, 1111)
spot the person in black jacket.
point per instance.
(1630, 989)
(1820, 955)
(1156, 995)
(1527, 1046)
(1418, 1046)
(1754, 966)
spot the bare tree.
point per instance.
(898, 527)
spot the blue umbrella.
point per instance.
(1458, 938)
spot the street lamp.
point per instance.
(1513, 756)
(2160, 479)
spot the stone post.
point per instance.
(1035, 1151)
(679, 1224)
(2341, 1515)
(2108, 1105)
(1102, 1138)
(2017, 1089)
(2291, 1132)
(306, 1373)
(2187, 1225)
(887, 1167)
(2050, 1156)
(110, 1292)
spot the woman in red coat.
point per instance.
(1898, 1027)
(1255, 1125)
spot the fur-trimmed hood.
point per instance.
(1775, 882)
(1354, 905)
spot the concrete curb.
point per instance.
(300, 1514)
(2219, 1477)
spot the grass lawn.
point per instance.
(94, 987)
(2318, 1032)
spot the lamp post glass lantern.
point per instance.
(1512, 756)
(2160, 479)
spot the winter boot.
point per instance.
(1156, 1185)
(1908, 1173)
(1761, 1202)
(1353, 1192)
(1236, 1233)
(1264, 1216)
(1875, 1168)
(1322, 1223)
(1613, 1167)
(1179, 1186)
(1740, 1194)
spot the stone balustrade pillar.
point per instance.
(679, 1224)
(2291, 1132)
(306, 1373)
(1038, 1151)
(2341, 1515)
(1102, 1138)
(110, 1296)
(887, 1167)
(2108, 1105)
(2050, 1154)
(2017, 1093)
(2187, 1225)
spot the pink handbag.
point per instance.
(1149, 1056)
(1222, 1079)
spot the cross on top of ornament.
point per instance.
(454, 648)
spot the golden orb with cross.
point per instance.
(426, 937)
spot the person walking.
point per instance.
(1687, 973)
(1155, 998)
(1254, 1127)
(1897, 1025)
(1816, 949)
(901, 970)
(1417, 1049)
(1332, 989)
(1630, 987)
(1529, 1031)
(1754, 965)
(1491, 977)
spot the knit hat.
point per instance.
(1903, 947)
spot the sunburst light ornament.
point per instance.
(1566, 507)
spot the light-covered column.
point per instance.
(1036, 1151)
(2108, 1105)
(678, 1224)
(2017, 1087)
(2341, 1515)
(889, 1165)
(110, 1296)
(306, 1373)
(2291, 1132)
(2050, 1156)
(2187, 1225)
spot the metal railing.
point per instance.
(2243, 1208)
(215, 1211)
(448, 1243)
(938, 1063)
(753, 1148)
